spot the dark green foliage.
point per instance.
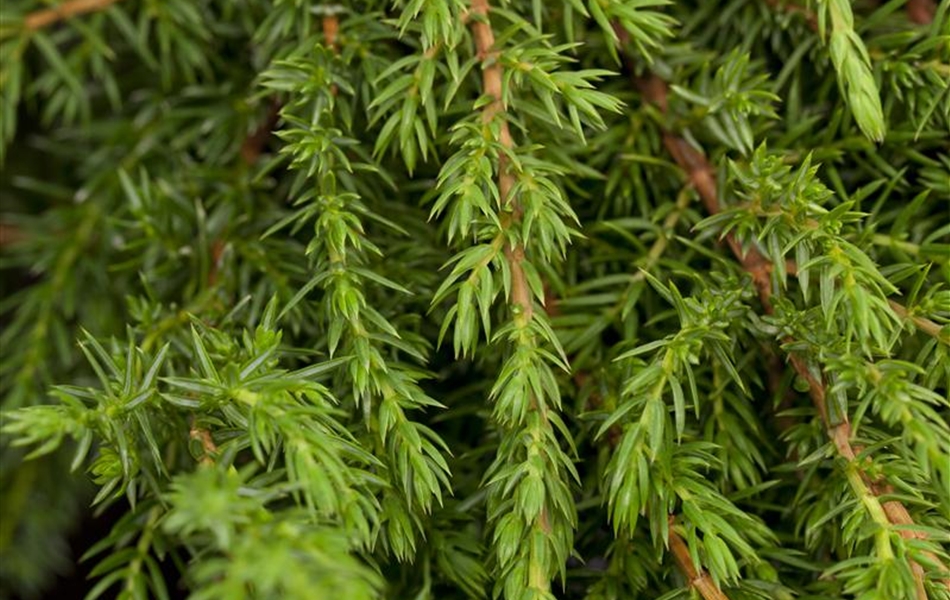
(330, 300)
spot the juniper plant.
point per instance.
(600, 299)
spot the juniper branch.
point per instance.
(345, 111)
(72, 8)
(698, 579)
(924, 324)
(203, 436)
(702, 176)
(492, 76)
(520, 295)
(696, 576)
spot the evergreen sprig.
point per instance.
(599, 299)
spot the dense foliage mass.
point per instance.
(601, 299)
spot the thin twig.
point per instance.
(921, 12)
(520, 294)
(698, 579)
(330, 24)
(492, 76)
(251, 149)
(702, 176)
(49, 16)
(331, 27)
(10, 235)
(253, 144)
(492, 87)
(922, 323)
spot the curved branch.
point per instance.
(924, 324)
(702, 176)
(71, 8)
(699, 580)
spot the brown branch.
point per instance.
(49, 16)
(10, 235)
(922, 323)
(208, 446)
(492, 76)
(699, 580)
(702, 176)
(520, 298)
(217, 253)
(934, 330)
(331, 27)
(921, 12)
(253, 144)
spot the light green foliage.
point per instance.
(272, 330)
(853, 65)
(246, 546)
